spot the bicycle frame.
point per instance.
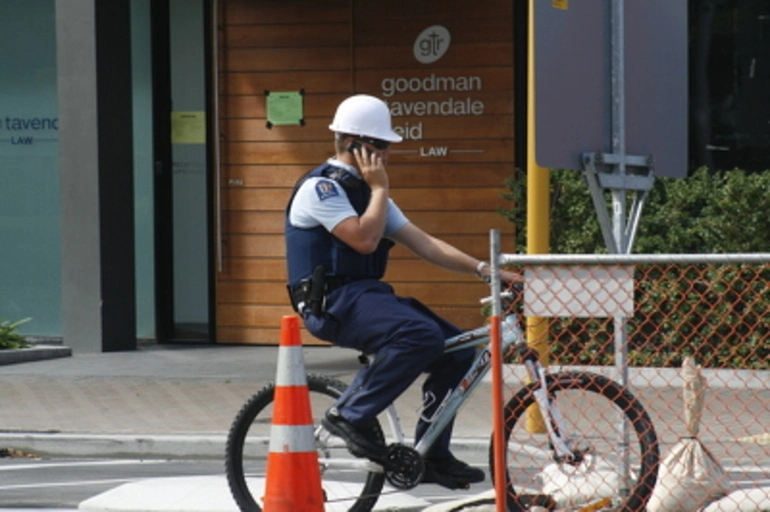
(512, 335)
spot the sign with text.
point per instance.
(188, 127)
(440, 101)
(26, 130)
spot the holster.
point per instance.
(317, 295)
(310, 293)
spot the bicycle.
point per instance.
(575, 444)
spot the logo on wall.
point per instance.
(429, 95)
(28, 131)
(432, 44)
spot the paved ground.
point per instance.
(165, 401)
(179, 401)
(167, 391)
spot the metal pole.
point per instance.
(619, 214)
(499, 448)
(619, 122)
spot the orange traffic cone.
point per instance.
(293, 481)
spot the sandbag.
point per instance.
(689, 477)
(743, 500)
(575, 488)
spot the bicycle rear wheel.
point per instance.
(592, 407)
(347, 483)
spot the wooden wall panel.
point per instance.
(398, 32)
(457, 115)
(409, 199)
(273, 245)
(257, 13)
(463, 175)
(252, 107)
(482, 127)
(295, 152)
(285, 59)
(439, 223)
(287, 35)
(257, 83)
(434, 11)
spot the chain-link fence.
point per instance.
(689, 337)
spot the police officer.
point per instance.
(340, 225)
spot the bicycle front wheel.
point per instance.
(616, 467)
(348, 483)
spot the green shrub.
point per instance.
(716, 313)
(721, 212)
(708, 212)
(9, 338)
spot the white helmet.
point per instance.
(366, 116)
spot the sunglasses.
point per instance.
(377, 143)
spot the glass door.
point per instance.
(182, 170)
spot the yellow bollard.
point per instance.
(538, 220)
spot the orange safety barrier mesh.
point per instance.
(719, 315)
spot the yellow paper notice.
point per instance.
(560, 4)
(188, 127)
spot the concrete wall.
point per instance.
(96, 166)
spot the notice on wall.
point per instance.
(188, 127)
(284, 108)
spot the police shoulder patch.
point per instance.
(326, 189)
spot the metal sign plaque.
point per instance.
(573, 82)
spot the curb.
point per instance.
(34, 353)
(136, 446)
(656, 377)
(150, 446)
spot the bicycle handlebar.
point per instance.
(503, 295)
(507, 297)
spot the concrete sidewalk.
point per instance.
(179, 401)
(163, 401)
(176, 401)
(169, 402)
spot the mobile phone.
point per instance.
(357, 145)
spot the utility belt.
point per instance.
(311, 293)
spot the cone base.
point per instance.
(293, 483)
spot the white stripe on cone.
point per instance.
(291, 371)
(292, 439)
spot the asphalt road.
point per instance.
(62, 484)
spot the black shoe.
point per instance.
(361, 442)
(451, 473)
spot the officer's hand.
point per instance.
(372, 168)
(511, 278)
(506, 276)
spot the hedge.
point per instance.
(719, 314)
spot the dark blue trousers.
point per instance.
(407, 338)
